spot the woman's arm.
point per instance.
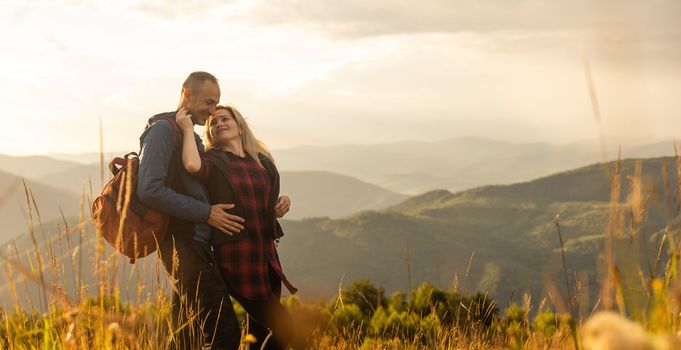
(190, 153)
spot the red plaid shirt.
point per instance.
(244, 263)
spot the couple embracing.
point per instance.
(224, 202)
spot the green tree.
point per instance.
(390, 324)
(548, 323)
(516, 326)
(428, 298)
(398, 302)
(350, 317)
(365, 295)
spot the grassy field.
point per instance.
(638, 306)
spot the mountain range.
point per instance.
(313, 193)
(407, 167)
(336, 181)
(502, 238)
(14, 209)
(414, 167)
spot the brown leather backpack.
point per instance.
(132, 228)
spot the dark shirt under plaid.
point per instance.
(244, 263)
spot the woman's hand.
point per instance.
(184, 120)
(282, 207)
(190, 153)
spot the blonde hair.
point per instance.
(251, 145)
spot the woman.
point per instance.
(237, 168)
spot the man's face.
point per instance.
(201, 102)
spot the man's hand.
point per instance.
(223, 221)
(184, 120)
(282, 207)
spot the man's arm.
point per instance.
(157, 151)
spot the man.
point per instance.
(201, 305)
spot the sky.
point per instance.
(323, 72)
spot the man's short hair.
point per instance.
(196, 79)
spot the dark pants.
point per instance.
(266, 315)
(203, 314)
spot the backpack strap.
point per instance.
(173, 180)
(116, 164)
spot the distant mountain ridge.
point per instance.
(87, 158)
(508, 231)
(313, 193)
(14, 208)
(456, 164)
(79, 178)
(322, 193)
(392, 169)
(33, 166)
(414, 167)
(506, 234)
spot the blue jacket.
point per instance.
(190, 209)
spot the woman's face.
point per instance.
(223, 127)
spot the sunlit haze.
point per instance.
(327, 72)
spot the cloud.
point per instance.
(620, 27)
(322, 72)
(188, 10)
(403, 16)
